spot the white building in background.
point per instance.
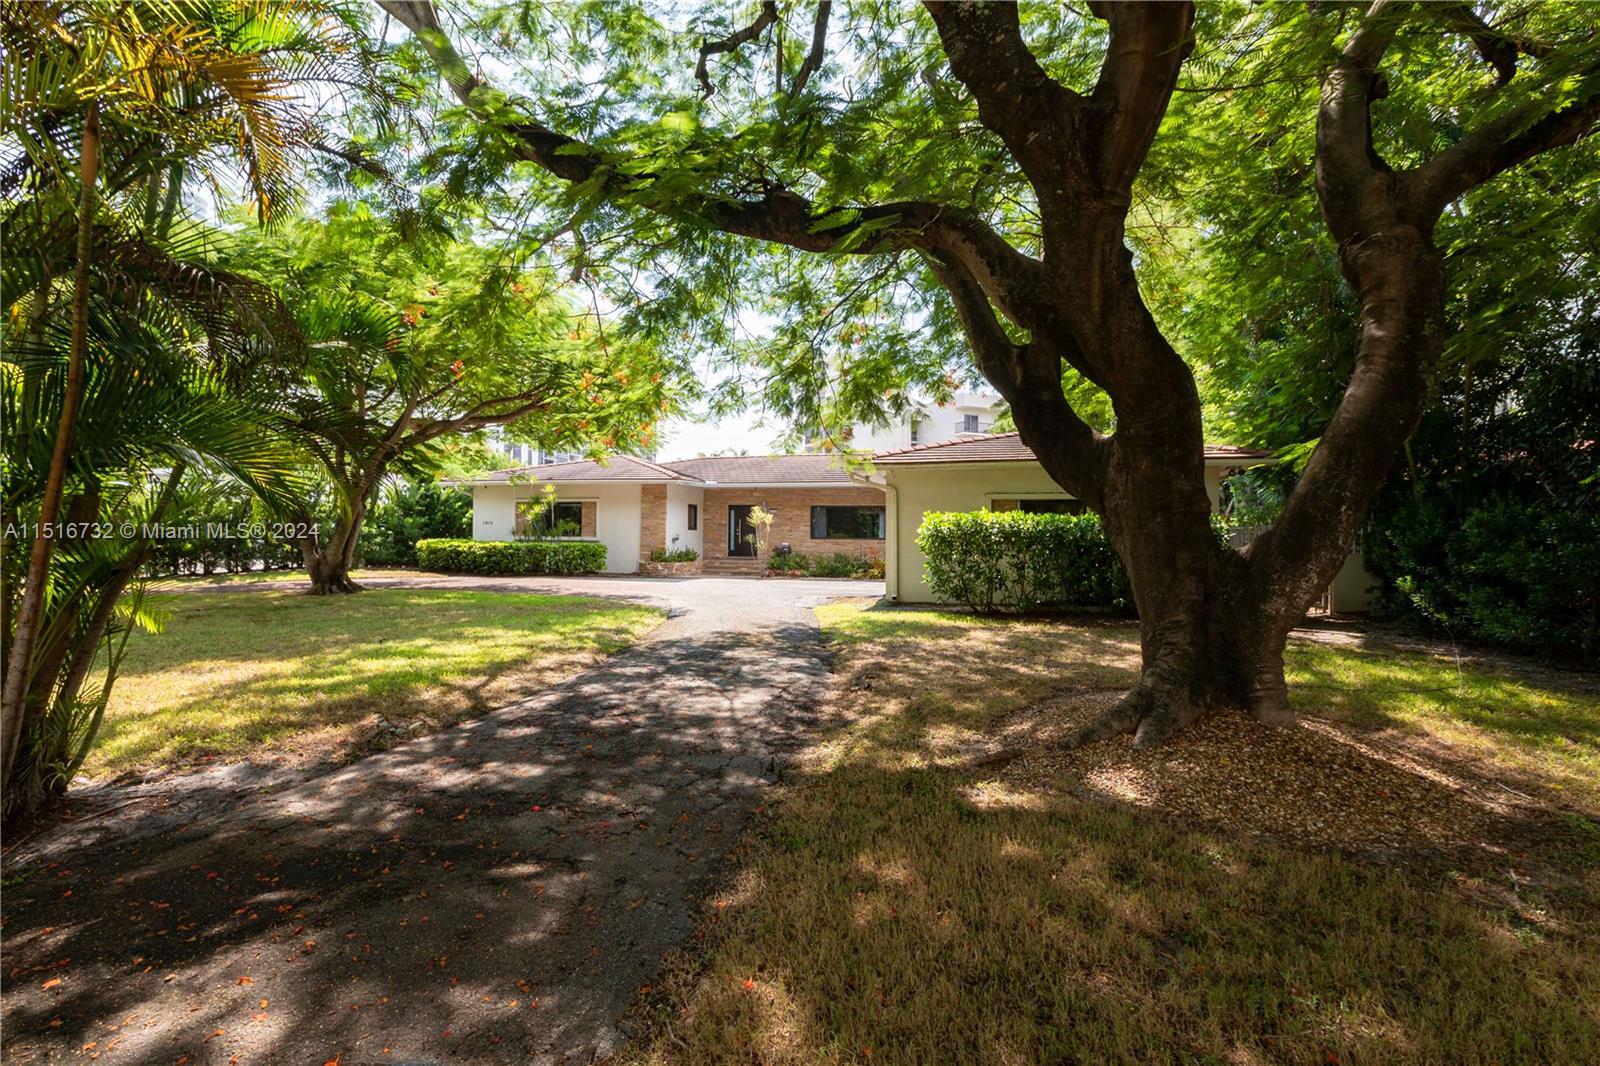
(966, 413)
(534, 455)
(529, 454)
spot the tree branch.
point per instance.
(1498, 50)
(1149, 42)
(1032, 112)
(1498, 146)
(819, 41)
(780, 215)
(477, 418)
(769, 15)
(1029, 377)
(1352, 180)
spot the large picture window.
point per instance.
(847, 523)
(564, 519)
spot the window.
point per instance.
(1057, 505)
(913, 431)
(1050, 506)
(969, 423)
(847, 523)
(694, 516)
(565, 519)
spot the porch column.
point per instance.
(652, 519)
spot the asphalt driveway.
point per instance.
(496, 892)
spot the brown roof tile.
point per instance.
(806, 468)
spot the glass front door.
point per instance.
(741, 538)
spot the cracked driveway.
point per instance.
(496, 892)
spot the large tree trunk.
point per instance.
(328, 564)
(1214, 620)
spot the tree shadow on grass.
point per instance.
(898, 908)
(909, 916)
(404, 654)
(424, 899)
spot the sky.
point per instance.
(684, 439)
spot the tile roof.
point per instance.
(615, 468)
(805, 468)
(801, 469)
(1008, 448)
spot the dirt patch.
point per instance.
(1321, 785)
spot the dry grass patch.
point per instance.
(898, 908)
(280, 673)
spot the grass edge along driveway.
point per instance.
(266, 672)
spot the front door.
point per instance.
(741, 538)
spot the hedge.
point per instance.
(1014, 560)
(1496, 568)
(836, 564)
(454, 556)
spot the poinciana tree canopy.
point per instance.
(1224, 200)
(413, 339)
(907, 188)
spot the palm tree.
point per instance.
(110, 107)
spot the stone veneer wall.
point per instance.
(587, 525)
(793, 522)
(652, 519)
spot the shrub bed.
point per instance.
(1516, 572)
(453, 556)
(1012, 560)
(833, 564)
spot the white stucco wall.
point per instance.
(494, 515)
(916, 490)
(679, 497)
(616, 516)
(1352, 591)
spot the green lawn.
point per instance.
(266, 671)
(895, 907)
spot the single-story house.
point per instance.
(998, 472)
(635, 507)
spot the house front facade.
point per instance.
(1000, 473)
(635, 508)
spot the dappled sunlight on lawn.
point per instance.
(235, 671)
(899, 908)
(1543, 737)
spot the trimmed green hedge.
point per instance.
(511, 556)
(835, 564)
(1013, 560)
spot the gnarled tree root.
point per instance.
(1153, 713)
